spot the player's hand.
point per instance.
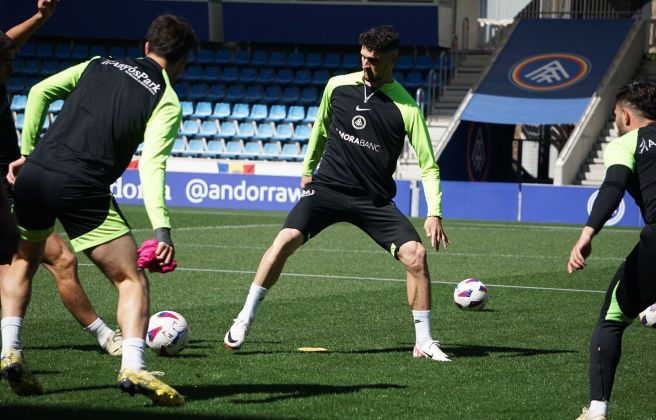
(14, 169)
(165, 249)
(46, 8)
(435, 232)
(305, 180)
(581, 250)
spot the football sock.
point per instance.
(11, 332)
(255, 296)
(100, 330)
(133, 354)
(422, 321)
(597, 408)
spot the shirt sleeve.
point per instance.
(621, 151)
(430, 172)
(159, 136)
(319, 133)
(41, 95)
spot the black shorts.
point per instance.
(88, 213)
(321, 206)
(9, 191)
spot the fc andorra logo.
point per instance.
(546, 72)
(359, 122)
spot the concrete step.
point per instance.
(591, 183)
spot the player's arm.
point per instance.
(23, 31)
(318, 136)
(160, 133)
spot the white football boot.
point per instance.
(585, 415)
(236, 335)
(430, 350)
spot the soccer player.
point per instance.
(112, 105)
(57, 259)
(355, 143)
(630, 162)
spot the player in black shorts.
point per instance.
(355, 143)
(630, 162)
(57, 259)
(112, 104)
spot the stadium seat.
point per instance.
(221, 110)
(98, 50)
(272, 94)
(303, 151)
(62, 51)
(49, 67)
(303, 77)
(290, 151)
(214, 148)
(31, 67)
(116, 51)
(189, 128)
(212, 74)
(242, 58)
(182, 90)
(283, 132)
(413, 81)
(205, 56)
(277, 113)
(405, 62)
(252, 150)
(247, 75)
(16, 84)
(290, 95)
(187, 108)
(246, 130)
(313, 60)
(284, 76)
(424, 63)
(235, 93)
(254, 93)
(320, 77)
(265, 131)
(18, 103)
(203, 110)
(230, 74)
(217, 93)
(195, 148)
(19, 120)
(193, 73)
(399, 77)
(17, 66)
(295, 114)
(209, 129)
(228, 129)
(309, 96)
(302, 133)
(223, 57)
(233, 149)
(80, 52)
(258, 112)
(351, 62)
(199, 91)
(311, 114)
(260, 58)
(65, 64)
(270, 150)
(56, 106)
(266, 76)
(27, 50)
(45, 49)
(192, 56)
(240, 111)
(179, 146)
(277, 59)
(332, 61)
(295, 59)
(135, 51)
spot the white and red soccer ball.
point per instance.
(648, 316)
(168, 333)
(471, 294)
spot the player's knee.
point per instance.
(413, 256)
(66, 261)
(287, 241)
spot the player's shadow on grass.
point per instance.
(76, 347)
(276, 392)
(466, 350)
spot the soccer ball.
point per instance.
(168, 333)
(470, 294)
(648, 316)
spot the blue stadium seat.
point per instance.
(272, 94)
(283, 132)
(302, 133)
(214, 148)
(31, 67)
(258, 112)
(277, 59)
(45, 49)
(193, 73)
(265, 131)
(295, 114)
(217, 93)
(266, 76)
(303, 77)
(424, 63)
(320, 77)
(116, 51)
(195, 148)
(233, 149)
(80, 52)
(254, 93)
(246, 130)
(49, 67)
(16, 84)
(277, 113)
(98, 50)
(187, 108)
(311, 114)
(182, 90)
(221, 110)
(303, 152)
(27, 50)
(179, 146)
(189, 128)
(247, 75)
(284, 76)
(270, 150)
(252, 150)
(212, 74)
(209, 129)
(351, 62)
(332, 61)
(413, 80)
(18, 103)
(192, 56)
(399, 77)
(19, 120)
(199, 91)
(62, 51)
(56, 106)
(290, 151)
(203, 110)
(223, 57)
(260, 58)
(313, 60)
(228, 129)
(235, 93)
(46, 123)
(242, 58)
(205, 56)
(309, 96)
(290, 95)
(295, 59)
(135, 51)
(240, 111)
(406, 62)
(17, 65)
(230, 74)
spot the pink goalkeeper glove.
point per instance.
(148, 259)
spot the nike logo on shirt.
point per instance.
(357, 108)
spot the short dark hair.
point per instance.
(640, 95)
(6, 43)
(171, 37)
(380, 39)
